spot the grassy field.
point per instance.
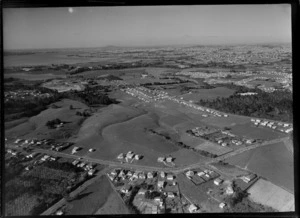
(250, 131)
(266, 193)
(208, 94)
(213, 148)
(91, 199)
(184, 157)
(273, 162)
(11, 124)
(221, 122)
(113, 205)
(230, 170)
(36, 127)
(21, 206)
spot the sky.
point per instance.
(38, 28)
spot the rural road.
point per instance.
(149, 168)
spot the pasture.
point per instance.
(213, 148)
(208, 94)
(91, 199)
(273, 162)
(250, 131)
(222, 122)
(266, 193)
(36, 127)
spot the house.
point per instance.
(149, 175)
(75, 149)
(137, 157)
(222, 205)
(289, 130)
(189, 173)
(160, 159)
(170, 195)
(192, 208)
(200, 173)
(135, 175)
(169, 159)
(142, 176)
(224, 144)
(18, 140)
(91, 172)
(32, 155)
(45, 157)
(92, 150)
(170, 177)
(111, 177)
(59, 213)
(229, 190)
(120, 156)
(162, 174)
(160, 184)
(218, 181)
(126, 188)
(141, 192)
(129, 155)
(248, 178)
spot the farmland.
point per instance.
(273, 196)
(273, 162)
(92, 199)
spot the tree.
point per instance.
(71, 107)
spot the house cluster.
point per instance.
(130, 156)
(161, 185)
(75, 149)
(221, 137)
(201, 176)
(42, 143)
(25, 94)
(89, 167)
(279, 126)
(168, 161)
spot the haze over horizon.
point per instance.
(88, 27)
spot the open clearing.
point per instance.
(36, 127)
(266, 193)
(273, 162)
(91, 199)
(208, 94)
(221, 122)
(113, 205)
(213, 148)
(250, 131)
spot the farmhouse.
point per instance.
(127, 188)
(170, 177)
(149, 175)
(160, 184)
(120, 156)
(248, 178)
(222, 205)
(192, 208)
(170, 195)
(189, 173)
(218, 181)
(160, 159)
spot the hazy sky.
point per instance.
(138, 26)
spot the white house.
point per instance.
(170, 177)
(222, 205)
(218, 181)
(192, 208)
